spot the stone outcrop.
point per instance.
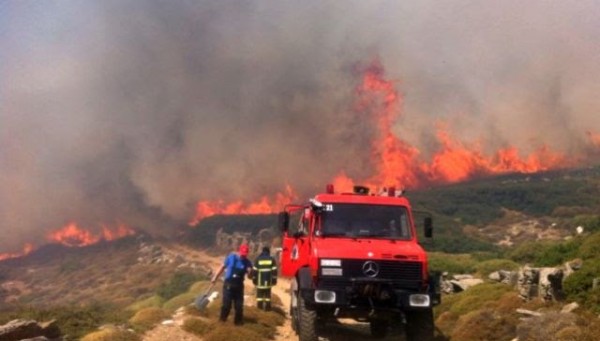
(18, 330)
(505, 277)
(458, 283)
(531, 282)
(231, 241)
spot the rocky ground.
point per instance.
(344, 331)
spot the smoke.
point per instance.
(131, 112)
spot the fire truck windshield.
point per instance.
(364, 221)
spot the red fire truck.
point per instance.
(356, 255)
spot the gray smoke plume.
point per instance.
(133, 111)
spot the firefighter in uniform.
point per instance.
(264, 277)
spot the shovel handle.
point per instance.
(209, 288)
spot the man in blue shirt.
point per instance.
(236, 267)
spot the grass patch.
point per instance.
(150, 302)
(179, 301)
(258, 324)
(487, 267)
(112, 334)
(198, 326)
(484, 312)
(74, 321)
(179, 283)
(147, 318)
(451, 263)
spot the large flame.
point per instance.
(72, 235)
(27, 248)
(263, 206)
(398, 163)
(75, 236)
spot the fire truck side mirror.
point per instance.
(428, 227)
(283, 221)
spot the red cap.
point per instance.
(244, 249)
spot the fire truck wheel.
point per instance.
(308, 321)
(379, 328)
(419, 325)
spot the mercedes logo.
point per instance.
(370, 269)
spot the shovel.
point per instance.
(202, 301)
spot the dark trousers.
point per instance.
(233, 296)
(263, 298)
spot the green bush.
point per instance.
(475, 298)
(558, 253)
(199, 287)
(152, 301)
(578, 286)
(528, 252)
(487, 267)
(74, 321)
(179, 301)
(177, 284)
(590, 223)
(451, 263)
(147, 318)
(590, 247)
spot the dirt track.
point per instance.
(348, 330)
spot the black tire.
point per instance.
(419, 325)
(307, 327)
(379, 328)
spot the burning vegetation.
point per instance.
(72, 235)
(397, 162)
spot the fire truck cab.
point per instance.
(356, 255)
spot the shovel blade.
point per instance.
(201, 302)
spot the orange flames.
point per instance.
(398, 163)
(264, 206)
(72, 235)
(27, 248)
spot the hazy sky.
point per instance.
(132, 111)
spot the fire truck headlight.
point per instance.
(324, 296)
(419, 300)
(331, 262)
(331, 271)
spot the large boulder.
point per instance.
(20, 329)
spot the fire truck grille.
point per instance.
(401, 274)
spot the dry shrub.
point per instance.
(228, 332)
(198, 326)
(484, 325)
(508, 303)
(270, 318)
(570, 333)
(211, 311)
(148, 317)
(590, 327)
(111, 334)
(258, 324)
(446, 322)
(545, 327)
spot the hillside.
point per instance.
(481, 226)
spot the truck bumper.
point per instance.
(393, 300)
